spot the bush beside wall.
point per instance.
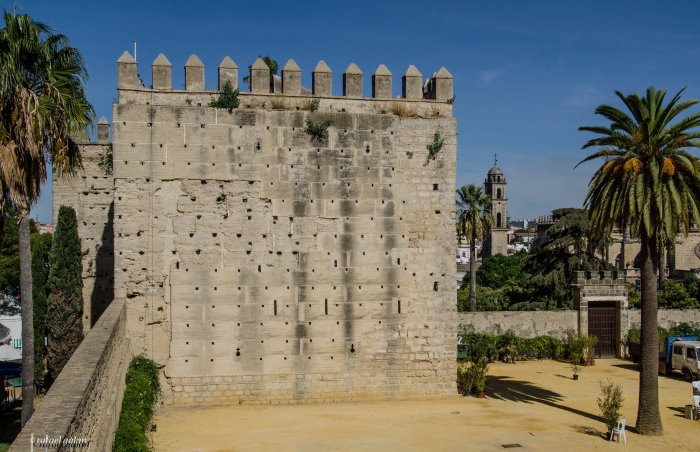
(140, 395)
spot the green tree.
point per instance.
(473, 223)
(42, 102)
(41, 306)
(573, 246)
(65, 284)
(676, 296)
(649, 182)
(497, 270)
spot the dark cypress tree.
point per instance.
(41, 307)
(65, 284)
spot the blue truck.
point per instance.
(681, 353)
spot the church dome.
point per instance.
(495, 171)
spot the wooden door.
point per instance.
(602, 323)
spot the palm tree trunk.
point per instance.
(25, 284)
(472, 275)
(662, 268)
(648, 416)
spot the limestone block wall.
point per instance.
(85, 400)
(526, 324)
(90, 193)
(668, 318)
(263, 266)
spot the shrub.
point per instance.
(634, 335)
(506, 345)
(575, 363)
(634, 297)
(465, 376)
(480, 371)
(317, 131)
(228, 98)
(610, 402)
(435, 147)
(140, 395)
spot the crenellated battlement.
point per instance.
(438, 87)
(588, 278)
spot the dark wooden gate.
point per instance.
(602, 323)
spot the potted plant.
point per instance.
(575, 364)
(480, 369)
(589, 343)
(465, 378)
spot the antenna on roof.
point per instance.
(495, 156)
(135, 50)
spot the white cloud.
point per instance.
(585, 96)
(488, 76)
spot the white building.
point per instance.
(11, 346)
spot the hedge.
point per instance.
(140, 395)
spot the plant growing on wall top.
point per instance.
(272, 64)
(316, 130)
(314, 104)
(228, 98)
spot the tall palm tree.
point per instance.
(649, 182)
(474, 221)
(42, 101)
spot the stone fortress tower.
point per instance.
(495, 186)
(263, 264)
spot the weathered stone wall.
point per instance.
(668, 318)
(261, 266)
(90, 193)
(526, 324)
(85, 399)
(530, 324)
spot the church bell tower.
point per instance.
(495, 186)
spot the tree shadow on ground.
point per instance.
(507, 389)
(590, 431)
(627, 366)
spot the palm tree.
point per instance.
(649, 183)
(473, 223)
(42, 101)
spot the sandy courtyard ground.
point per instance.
(534, 404)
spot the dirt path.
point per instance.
(534, 404)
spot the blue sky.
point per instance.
(526, 74)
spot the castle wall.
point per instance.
(261, 266)
(90, 193)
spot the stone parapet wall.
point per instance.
(85, 399)
(525, 324)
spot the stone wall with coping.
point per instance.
(668, 318)
(263, 266)
(529, 324)
(85, 399)
(525, 324)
